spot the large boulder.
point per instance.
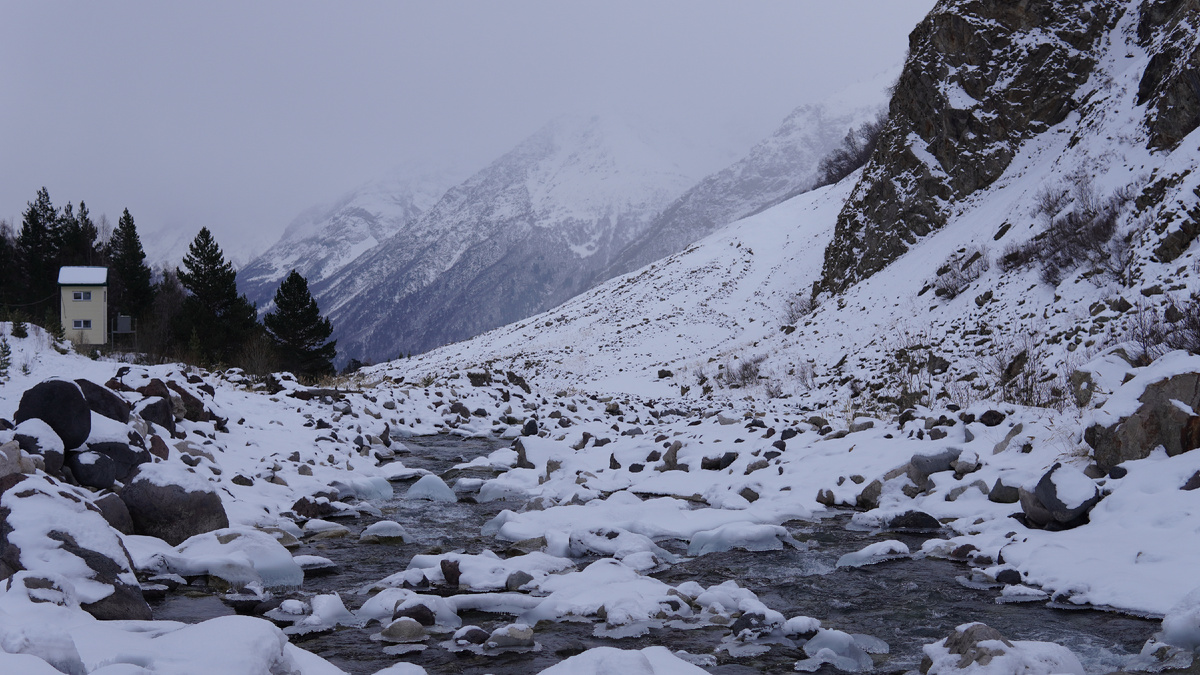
(61, 405)
(125, 458)
(104, 402)
(92, 469)
(157, 409)
(37, 438)
(161, 507)
(1061, 500)
(1165, 415)
(193, 407)
(49, 528)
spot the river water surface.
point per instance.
(906, 603)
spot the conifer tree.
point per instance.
(37, 251)
(214, 313)
(8, 265)
(130, 289)
(300, 333)
(5, 357)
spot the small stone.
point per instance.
(404, 629)
(512, 635)
(516, 580)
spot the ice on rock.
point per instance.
(383, 605)
(616, 542)
(483, 572)
(613, 661)
(979, 650)
(1181, 625)
(329, 610)
(319, 526)
(801, 625)
(402, 669)
(625, 595)
(875, 553)
(743, 535)
(432, 488)
(841, 650)
(363, 487)
(240, 556)
(395, 471)
(384, 530)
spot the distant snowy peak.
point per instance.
(534, 227)
(778, 167)
(324, 239)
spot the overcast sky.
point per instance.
(238, 115)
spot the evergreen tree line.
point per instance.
(193, 313)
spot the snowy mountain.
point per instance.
(323, 240)
(778, 167)
(518, 237)
(964, 262)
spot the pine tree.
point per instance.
(5, 357)
(37, 251)
(300, 333)
(220, 319)
(8, 265)
(130, 289)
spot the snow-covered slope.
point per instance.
(778, 167)
(726, 298)
(324, 239)
(516, 238)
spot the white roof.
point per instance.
(82, 276)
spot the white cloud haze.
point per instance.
(237, 115)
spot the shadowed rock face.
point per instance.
(1171, 82)
(981, 77)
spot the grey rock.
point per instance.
(1157, 421)
(61, 405)
(171, 512)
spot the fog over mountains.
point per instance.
(419, 259)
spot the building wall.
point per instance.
(94, 310)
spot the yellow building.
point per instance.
(84, 302)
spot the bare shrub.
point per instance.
(1148, 333)
(1184, 333)
(1018, 367)
(1084, 234)
(742, 372)
(798, 307)
(854, 152)
(960, 270)
(806, 375)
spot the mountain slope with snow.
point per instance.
(778, 167)
(518, 237)
(323, 240)
(726, 299)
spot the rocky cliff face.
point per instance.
(981, 77)
(1170, 85)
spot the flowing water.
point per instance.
(906, 603)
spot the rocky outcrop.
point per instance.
(1170, 85)
(1166, 416)
(980, 78)
(1061, 500)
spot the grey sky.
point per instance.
(237, 115)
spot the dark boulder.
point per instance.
(193, 408)
(171, 512)
(154, 387)
(126, 601)
(1061, 500)
(61, 405)
(125, 458)
(104, 402)
(115, 512)
(718, 463)
(157, 410)
(917, 521)
(92, 469)
(991, 418)
(40, 442)
(921, 467)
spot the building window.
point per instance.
(83, 296)
(82, 324)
